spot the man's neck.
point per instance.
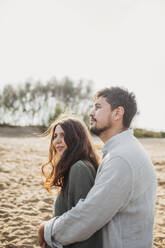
(106, 135)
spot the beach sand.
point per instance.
(24, 203)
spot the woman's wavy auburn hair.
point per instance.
(79, 147)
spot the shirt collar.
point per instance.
(117, 137)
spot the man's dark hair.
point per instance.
(116, 97)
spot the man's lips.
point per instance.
(92, 121)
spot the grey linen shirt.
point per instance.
(122, 200)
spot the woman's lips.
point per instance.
(59, 147)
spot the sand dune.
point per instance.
(24, 203)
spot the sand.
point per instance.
(24, 203)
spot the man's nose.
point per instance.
(91, 113)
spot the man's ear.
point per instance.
(118, 113)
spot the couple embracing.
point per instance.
(106, 204)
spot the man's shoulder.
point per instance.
(133, 155)
(130, 150)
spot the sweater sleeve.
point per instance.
(113, 187)
(80, 182)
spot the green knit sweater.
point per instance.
(81, 179)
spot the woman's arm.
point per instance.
(81, 180)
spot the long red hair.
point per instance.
(79, 147)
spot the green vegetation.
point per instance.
(40, 103)
(143, 133)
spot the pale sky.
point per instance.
(112, 42)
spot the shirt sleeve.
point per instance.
(50, 242)
(110, 193)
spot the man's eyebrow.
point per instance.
(97, 104)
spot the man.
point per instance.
(122, 200)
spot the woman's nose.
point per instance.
(58, 140)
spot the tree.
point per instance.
(40, 103)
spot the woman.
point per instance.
(74, 165)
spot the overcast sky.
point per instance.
(112, 42)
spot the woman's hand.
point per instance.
(41, 236)
(43, 246)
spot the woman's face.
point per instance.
(58, 140)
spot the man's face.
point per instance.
(100, 116)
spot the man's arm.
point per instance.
(111, 192)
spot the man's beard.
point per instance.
(98, 131)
